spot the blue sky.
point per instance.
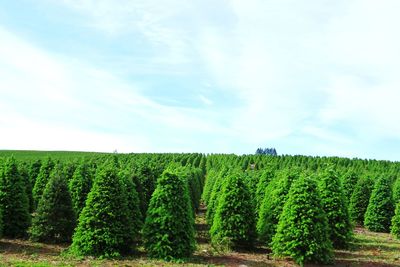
(306, 77)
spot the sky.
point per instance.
(310, 77)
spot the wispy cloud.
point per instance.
(312, 78)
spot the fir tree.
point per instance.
(303, 231)
(359, 200)
(80, 186)
(271, 208)
(41, 180)
(335, 207)
(349, 182)
(14, 201)
(234, 221)
(380, 207)
(395, 229)
(266, 177)
(133, 204)
(54, 221)
(169, 228)
(104, 227)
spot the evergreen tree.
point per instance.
(349, 182)
(33, 173)
(133, 204)
(359, 200)
(395, 229)
(396, 190)
(80, 186)
(335, 207)
(234, 221)
(380, 207)
(41, 180)
(169, 228)
(104, 227)
(303, 231)
(14, 201)
(54, 221)
(266, 177)
(271, 208)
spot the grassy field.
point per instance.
(369, 249)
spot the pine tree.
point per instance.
(303, 231)
(395, 229)
(80, 186)
(54, 221)
(41, 181)
(14, 201)
(234, 221)
(335, 207)
(359, 200)
(380, 207)
(104, 227)
(169, 228)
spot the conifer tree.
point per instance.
(303, 231)
(41, 180)
(335, 207)
(133, 204)
(395, 229)
(104, 225)
(14, 201)
(380, 207)
(396, 190)
(271, 208)
(359, 200)
(266, 177)
(54, 221)
(169, 228)
(234, 220)
(349, 182)
(80, 186)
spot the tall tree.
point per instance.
(303, 231)
(234, 224)
(335, 207)
(14, 201)
(380, 207)
(169, 228)
(41, 180)
(54, 221)
(104, 227)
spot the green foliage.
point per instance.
(215, 195)
(349, 182)
(266, 177)
(335, 207)
(169, 228)
(234, 221)
(359, 200)
(54, 221)
(133, 204)
(41, 180)
(396, 190)
(380, 207)
(395, 229)
(208, 186)
(271, 208)
(80, 186)
(104, 227)
(303, 231)
(14, 201)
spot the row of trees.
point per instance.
(302, 207)
(106, 206)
